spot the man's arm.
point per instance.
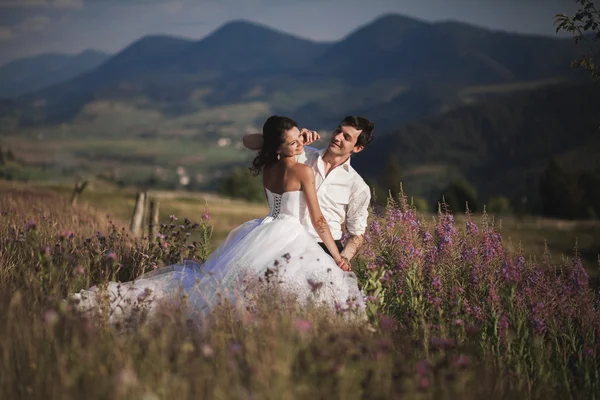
(356, 221)
(253, 141)
(354, 244)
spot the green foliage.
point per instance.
(241, 184)
(15, 171)
(498, 205)
(558, 192)
(391, 179)
(419, 203)
(388, 183)
(458, 195)
(587, 19)
(10, 156)
(501, 143)
(589, 183)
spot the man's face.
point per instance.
(343, 141)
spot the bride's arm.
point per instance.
(319, 222)
(254, 141)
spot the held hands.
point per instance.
(309, 136)
(344, 264)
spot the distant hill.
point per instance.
(30, 74)
(501, 145)
(409, 50)
(168, 69)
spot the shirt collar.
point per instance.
(345, 165)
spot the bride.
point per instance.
(274, 248)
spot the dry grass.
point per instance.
(276, 352)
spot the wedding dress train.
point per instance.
(275, 249)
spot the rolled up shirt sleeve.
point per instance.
(358, 211)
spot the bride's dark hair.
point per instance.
(273, 131)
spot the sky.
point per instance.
(30, 27)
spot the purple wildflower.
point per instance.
(477, 312)
(511, 271)
(30, 225)
(302, 325)
(445, 231)
(437, 283)
(66, 235)
(235, 348)
(468, 254)
(375, 228)
(579, 277)
(395, 215)
(461, 361)
(422, 367)
(427, 237)
(472, 228)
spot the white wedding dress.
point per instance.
(275, 249)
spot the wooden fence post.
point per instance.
(77, 191)
(138, 214)
(153, 220)
(144, 213)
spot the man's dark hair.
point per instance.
(362, 124)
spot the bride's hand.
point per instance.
(345, 266)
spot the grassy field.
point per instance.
(129, 161)
(531, 235)
(225, 213)
(450, 315)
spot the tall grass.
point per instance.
(452, 316)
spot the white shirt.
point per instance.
(343, 195)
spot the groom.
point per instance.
(343, 195)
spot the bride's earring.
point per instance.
(278, 155)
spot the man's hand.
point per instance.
(309, 136)
(353, 244)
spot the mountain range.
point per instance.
(393, 59)
(446, 95)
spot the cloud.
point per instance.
(173, 7)
(33, 24)
(5, 34)
(41, 3)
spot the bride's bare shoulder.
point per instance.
(304, 173)
(302, 169)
